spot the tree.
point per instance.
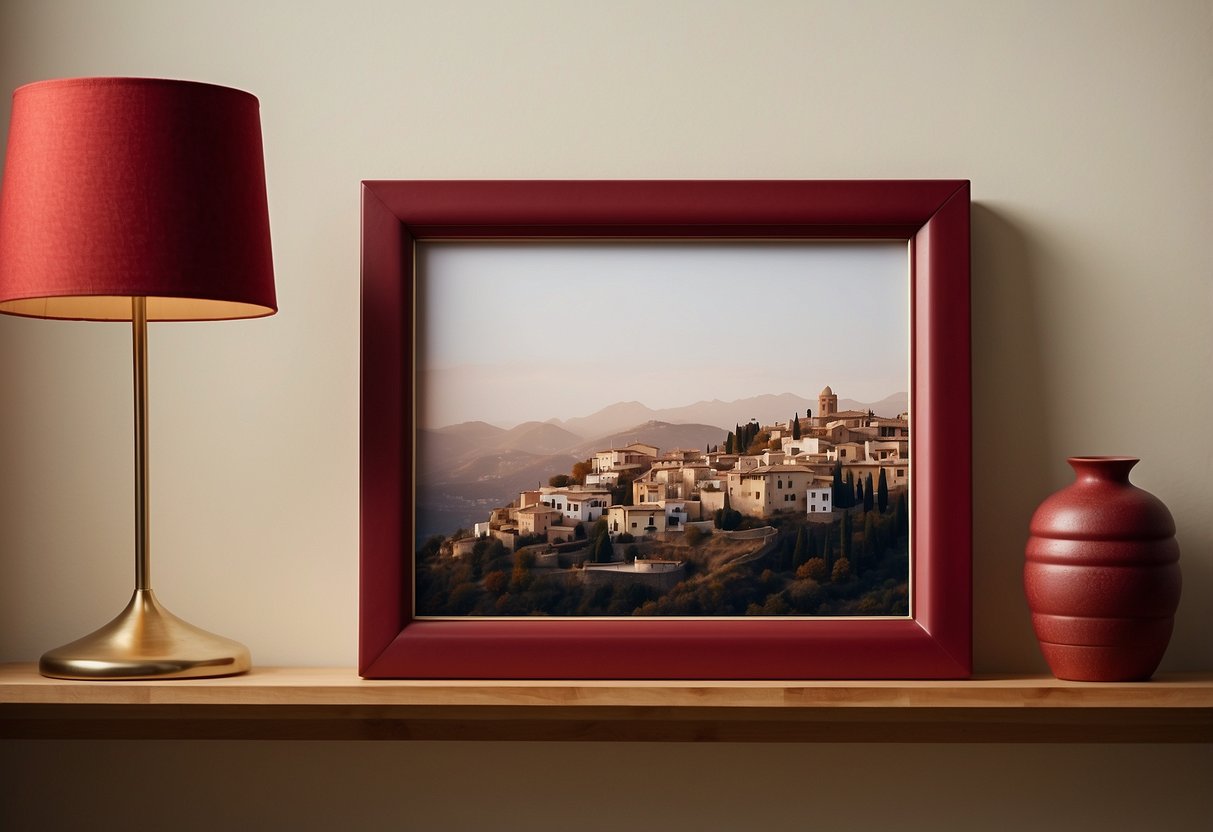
(463, 598)
(603, 551)
(745, 436)
(521, 577)
(579, 531)
(478, 560)
(868, 498)
(842, 570)
(727, 519)
(621, 491)
(901, 516)
(495, 552)
(796, 425)
(799, 551)
(860, 496)
(844, 539)
(882, 493)
(844, 496)
(496, 582)
(814, 568)
(730, 442)
(869, 542)
(560, 481)
(839, 495)
(581, 470)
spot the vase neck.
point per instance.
(1103, 468)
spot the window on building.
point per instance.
(813, 508)
(633, 525)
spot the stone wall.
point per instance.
(625, 573)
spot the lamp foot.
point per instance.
(146, 641)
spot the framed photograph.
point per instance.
(665, 430)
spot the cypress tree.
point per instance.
(882, 493)
(869, 541)
(860, 497)
(901, 516)
(796, 425)
(603, 550)
(868, 498)
(798, 552)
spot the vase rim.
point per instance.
(1103, 459)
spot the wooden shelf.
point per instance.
(319, 703)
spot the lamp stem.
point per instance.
(145, 641)
(143, 561)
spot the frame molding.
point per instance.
(933, 215)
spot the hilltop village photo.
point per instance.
(803, 517)
(760, 505)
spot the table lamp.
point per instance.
(136, 199)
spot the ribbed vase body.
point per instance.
(1102, 575)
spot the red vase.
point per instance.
(1102, 575)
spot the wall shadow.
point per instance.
(1013, 456)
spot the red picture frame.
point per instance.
(936, 642)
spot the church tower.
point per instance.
(827, 403)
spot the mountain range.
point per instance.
(766, 409)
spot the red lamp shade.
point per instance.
(134, 187)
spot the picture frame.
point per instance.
(935, 641)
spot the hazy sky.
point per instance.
(510, 332)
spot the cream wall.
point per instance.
(1085, 127)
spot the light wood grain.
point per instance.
(333, 703)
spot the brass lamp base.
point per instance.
(146, 641)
